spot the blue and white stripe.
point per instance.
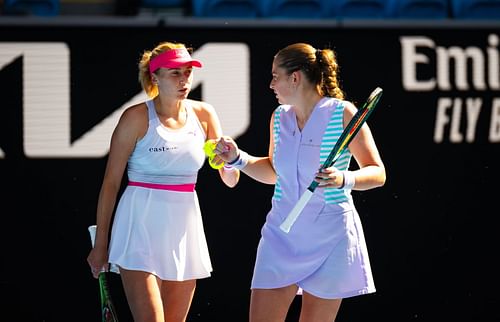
(276, 136)
(332, 133)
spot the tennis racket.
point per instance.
(108, 311)
(345, 138)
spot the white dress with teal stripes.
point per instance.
(325, 252)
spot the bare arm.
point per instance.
(213, 129)
(258, 168)
(131, 126)
(371, 172)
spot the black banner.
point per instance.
(431, 230)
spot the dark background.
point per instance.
(431, 230)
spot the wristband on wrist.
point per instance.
(228, 167)
(241, 160)
(349, 180)
(235, 160)
(343, 181)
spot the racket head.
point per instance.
(362, 115)
(355, 124)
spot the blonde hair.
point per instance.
(144, 75)
(319, 65)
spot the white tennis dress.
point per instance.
(324, 253)
(158, 226)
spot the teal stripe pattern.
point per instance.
(276, 136)
(332, 133)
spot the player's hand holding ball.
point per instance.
(214, 161)
(220, 151)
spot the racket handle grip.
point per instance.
(294, 214)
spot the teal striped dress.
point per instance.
(325, 252)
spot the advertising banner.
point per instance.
(431, 230)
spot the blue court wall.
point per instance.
(431, 230)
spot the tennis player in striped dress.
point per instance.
(324, 256)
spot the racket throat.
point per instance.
(313, 186)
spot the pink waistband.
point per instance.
(187, 187)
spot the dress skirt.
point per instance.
(325, 253)
(160, 232)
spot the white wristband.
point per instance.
(241, 161)
(228, 167)
(349, 180)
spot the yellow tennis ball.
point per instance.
(213, 164)
(209, 148)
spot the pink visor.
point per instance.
(173, 58)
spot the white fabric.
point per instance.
(161, 231)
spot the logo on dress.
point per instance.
(163, 148)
